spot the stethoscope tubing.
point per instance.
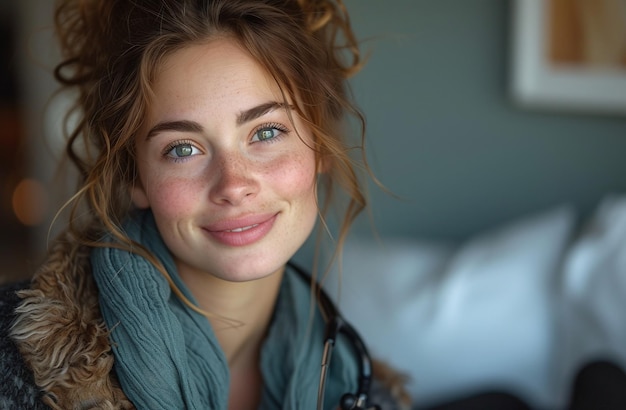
(335, 325)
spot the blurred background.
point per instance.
(447, 134)
(29, 199)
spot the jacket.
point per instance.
(55, 350)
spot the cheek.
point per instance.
(172, 196)
(294, 176)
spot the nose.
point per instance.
(234, 180)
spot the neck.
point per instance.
(240, 315)
(240, 312)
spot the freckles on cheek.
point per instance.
(295, 175)
(173, 197)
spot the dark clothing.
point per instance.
(17, 386)
(600, 385)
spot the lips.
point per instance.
(245, 228)
(241, 231)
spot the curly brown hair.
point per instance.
(112, 49)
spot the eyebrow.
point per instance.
(192, 126)
(180, 126)
(258, 111)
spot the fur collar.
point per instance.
(61, 335)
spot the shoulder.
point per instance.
(17, 386)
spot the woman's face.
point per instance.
(230, 183)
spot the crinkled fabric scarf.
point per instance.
(167, 356)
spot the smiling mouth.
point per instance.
(245, 228)
(249, 231)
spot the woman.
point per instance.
(206, 129)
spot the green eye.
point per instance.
(270, 132)
(265, 134)
(182, 151)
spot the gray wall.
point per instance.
(445, 135)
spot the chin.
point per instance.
(256, 271)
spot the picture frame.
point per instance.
(538, 82)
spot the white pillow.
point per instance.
(459, 321)
(594, 290)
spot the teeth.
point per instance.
(245, 228)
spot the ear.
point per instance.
(138, 195)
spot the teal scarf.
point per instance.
(167, 356)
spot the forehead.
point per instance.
(209, 74)
(211, 54)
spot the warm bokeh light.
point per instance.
(30, 201)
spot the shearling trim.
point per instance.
(62, 337)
